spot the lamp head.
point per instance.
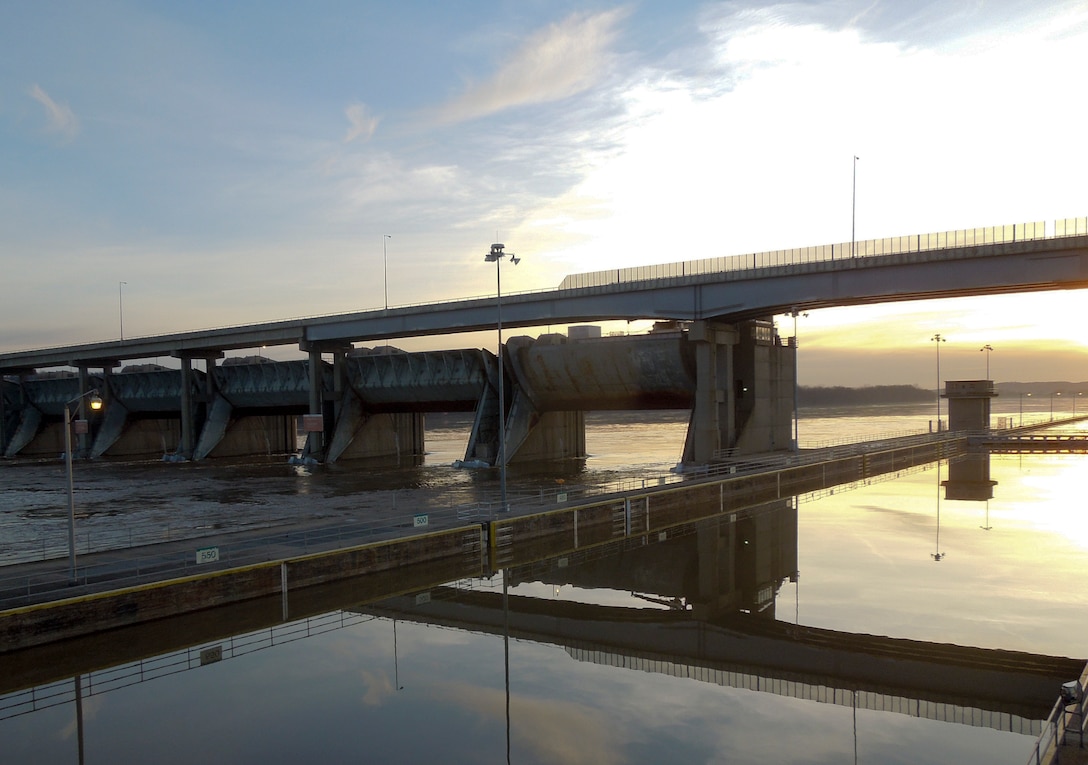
(95, 401)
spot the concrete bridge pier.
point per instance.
(17, 417)
(185, 448)
(359, 434)
(81, 444)
(744, 382)
(362, 428)
(483, 440)
(534, 431)
(315, 439)
(713, 425)
(195, 411)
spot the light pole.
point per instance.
(121, 310)
(495, 256)
(1052, 395)
(385, 266)
(988, 348)
(796, 429)
(938, 340)
(96, 403)
(1075, 404)
(854, 211)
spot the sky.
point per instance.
(166, 167)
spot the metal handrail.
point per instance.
(1048, 746)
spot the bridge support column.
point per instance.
(80, 448)
(360, 435)
(315, 439)
(325, 396)
(3, 415)
(28, 420)
(531, 434)
(197, 439)
(188, 424)
(744, 383)
(713, 423)
(765, 379)
(545, 435)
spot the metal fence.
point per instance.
(1064, 729)
(913, 243)
(131, 673)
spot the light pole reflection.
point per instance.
(937, 555)
(396, 667)
(506, 654)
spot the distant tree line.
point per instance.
(875, 394)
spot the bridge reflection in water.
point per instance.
(709, 589)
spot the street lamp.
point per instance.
(988, 348)
(1052, 395)
(496, 255)
(121, 310)
(854, 211)
(938, 340)
(796, 431)
(96, 404)
(385, 267)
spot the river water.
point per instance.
(363, 686)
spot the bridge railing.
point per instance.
(912, 243)
(1063, 728)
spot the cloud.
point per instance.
(556, 62)
(362, 123)
(59, 117)
(553, 731)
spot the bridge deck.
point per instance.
(972, 262)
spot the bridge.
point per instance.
(727, 364)
(1073, 442)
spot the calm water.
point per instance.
(368, 688)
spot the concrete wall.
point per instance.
(61, 620)
(258, 434)
(149, 437)
(556, 435)
(388, 435)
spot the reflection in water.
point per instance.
(649, 621)
(937, 555)
(968, 481)
(78, 681)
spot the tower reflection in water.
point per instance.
(968, 481)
